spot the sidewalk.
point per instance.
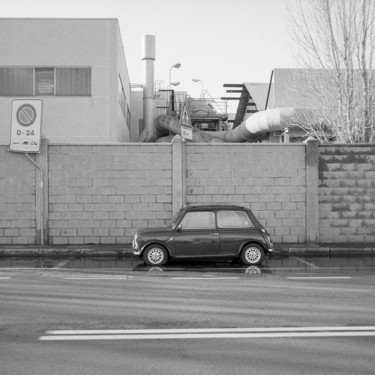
(126, 250)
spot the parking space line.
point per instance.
(309, 264)
(61, 264)
(204, 278)
(317, 277)
(91, 278)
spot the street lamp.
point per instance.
(171, 100)
(198, 80)
(173, 84)
(177, 66)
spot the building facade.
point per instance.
(77, 68)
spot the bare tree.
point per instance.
(336, 46)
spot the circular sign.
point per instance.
(26, 115)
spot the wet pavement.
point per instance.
(298, 264)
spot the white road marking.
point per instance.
(204, 278)
(5, 277)
(311, 265)
(208, 330)
(317, 277)
(91, 278)
(61, 264)
(209, 333)
(206, 336)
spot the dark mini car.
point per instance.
(210, 231)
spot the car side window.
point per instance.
(198, 220)
(233, 219)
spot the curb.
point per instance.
(126, 250)
(65, 251)
(355, 249)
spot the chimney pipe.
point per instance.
(148, 58)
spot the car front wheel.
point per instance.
(252, 254)
(155, 255)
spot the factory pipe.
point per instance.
(166, 124)
(148, 58)
(270, 120)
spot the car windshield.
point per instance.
(174, 219)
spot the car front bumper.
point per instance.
(136, 248)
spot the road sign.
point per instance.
(185, 122)
(26, 124)
(186, 133)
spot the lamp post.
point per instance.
(173, 84)
(171, 100)
(198, 80)
(177, 66)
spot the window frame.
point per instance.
(244, 213)
(181, 227)
(33, 80)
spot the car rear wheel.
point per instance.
(155, 255)
(252, 254)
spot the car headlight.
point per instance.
(135, 241)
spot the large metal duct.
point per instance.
(166, 124)
(270, 120)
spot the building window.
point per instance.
(123, 103)
(73, 81)
(45, 81)
(128, 119)
(16, 81)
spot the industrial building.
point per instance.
(77, 68)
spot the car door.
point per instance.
(196, 235)
(235, 228)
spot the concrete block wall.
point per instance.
(103, 193)
(270, 179)
(17, 198)
(347, 193)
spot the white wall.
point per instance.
(69, 43)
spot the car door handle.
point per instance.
(214, 234)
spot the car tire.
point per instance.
(155, 255)
(252, 254)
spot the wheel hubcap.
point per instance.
(155, 256)
(253, 255)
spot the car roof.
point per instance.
(203, 207)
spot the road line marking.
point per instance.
(99, 278)
(311, 265)
(5, 277)
(317, 277)
(209, 330)
(204, 278)
(207, 336)
(61, 264)
(300, 332)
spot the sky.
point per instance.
(215, 41)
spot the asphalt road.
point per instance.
(57, 320)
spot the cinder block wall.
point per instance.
(270, 179)
(347, 193)
(102, 194)
(17, 198)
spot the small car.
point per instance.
(209, 231)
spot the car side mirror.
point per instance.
(179, 227)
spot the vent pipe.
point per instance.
(148, 58)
